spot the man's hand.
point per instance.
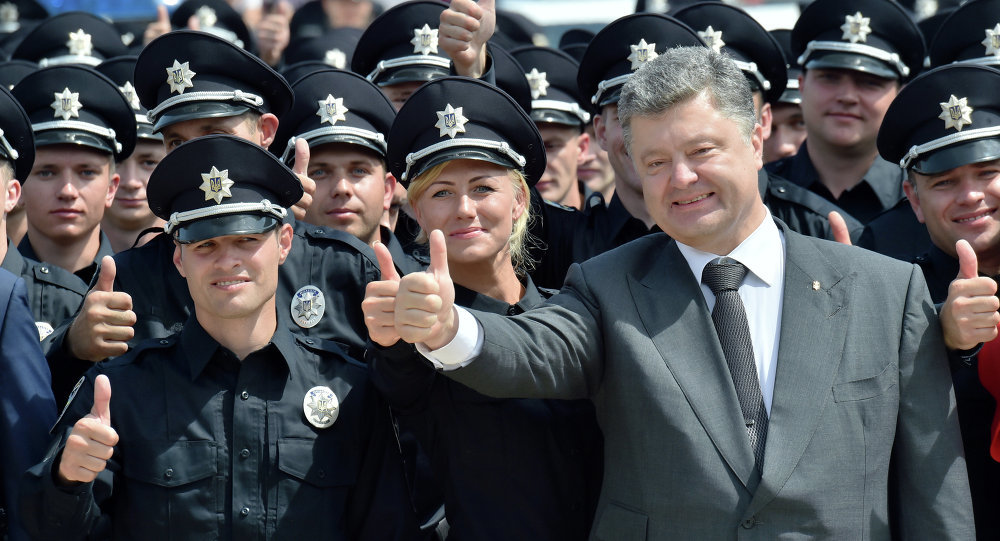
(464, 30)
(92, 441)
(274, 32)
(379, 305)
(969, 315)
(103, 327)
(838, 228)
(302, 171)
(158, 27)
(425, 303)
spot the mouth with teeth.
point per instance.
(695, 200)
(975, 217)
(227, 283)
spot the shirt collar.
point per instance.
(199, 347)
(468, 298)
(763, 253)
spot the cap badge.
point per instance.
(8, 13)
(856, 28)
(992, 41)
(308, 306)
(67, 104)
(335, 58)
(79, 43)
(425, 40)
(216, 184)
(956, 113)
(331, 110)
(179, 77)
(641, 53)
(206, 17)
(712, 38)
(451, 122)
(321, 406)
(129, 92)
(538, 82)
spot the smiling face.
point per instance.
(235, 276)
(564, 147)
(961, 203)
(844, 108)
(352, 189)
(130, 209)
(67, 192)
(475, 205)
(699, 174)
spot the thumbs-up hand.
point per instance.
(379, 305)
(838, 228)
(91, 443)
(273, 33)
(103, 327)
(464, 29)
(425, 303)
(301, 170)
(158, 27)
(969, 315)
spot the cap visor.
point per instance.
(854, 62)
(553, 116)
(72, 137)
(226, 224)
(977, 151)
(191, 111)
(462, 154)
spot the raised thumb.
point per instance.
(301, 157)
(285, 9)
(102, 399)
(439, 255)
(106, 278)
(968, 265)
(385, 263)
(161, 14)
(838, 228)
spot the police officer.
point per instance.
(855, 56)
(234, 428)
(943, 132)
(730, 30)
(344, 118)
(788, 130)
(74, 37)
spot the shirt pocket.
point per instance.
(173, 490)
(315, 481)
(866, 388)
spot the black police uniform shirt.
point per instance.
(801, 210)
(879, 189)
(510, 468)
(87, 273)
(897, 233)
(211, 447)
(404, 262)
(976, 407)
(332, 262)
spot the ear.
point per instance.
(765, 119)
(112, 189)
(177, 259)
(583, 141)
(13, 195)
(285, 235)
(600, 131)
(757, 142)
(268, 126)
(520, 203)
(390, 188)
(911, 195)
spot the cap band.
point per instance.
(990, 60)
(751, 69)
(374, 137)
(603, 86)
(220, 95)
(503, 147)
(9, 150)
(856, 48)
(959, 137)
(86, 60)
(178, 219)
(413, 60)
(107, 133)
(556, 105)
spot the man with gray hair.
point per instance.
(751, 382)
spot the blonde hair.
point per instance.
(520, 238)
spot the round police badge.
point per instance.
(321, 407)
(44, 329)
(308, 306)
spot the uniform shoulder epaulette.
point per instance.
(57, 276)
(333, 235)
(326, 347)
(560, 206)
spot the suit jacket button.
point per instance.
(749, 523)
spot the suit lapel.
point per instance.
(673, 311)
(813, 331)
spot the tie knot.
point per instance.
(723, 274)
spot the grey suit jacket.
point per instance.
(861, 379)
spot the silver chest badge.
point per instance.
(308, 306)
(321, 407)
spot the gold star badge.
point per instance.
(425, 40)
(712, 38)
(335, 58)
(179, 77)
(216, 184)
(129, 92)
(67, 104)
(641, 53)
(450, 121)
(79, 43)
(992, 41)
(956, 113)
(538, 82)
(206, 17)
(331, 110)
(856, 28)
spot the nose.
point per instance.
(67, 190)
(848, 92)
(466, 207)
(342, 186)
(683, 174)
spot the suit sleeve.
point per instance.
(931, 482)
(28, 409)
(554, 351)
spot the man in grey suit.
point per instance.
(852, 410)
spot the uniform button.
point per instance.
(749, 523)
(168, 473)
(309, 341)
(318, 232)
(245, 511)
(782, 189)
(245, 395)
(45, 270)
(164, 341)
(245, 453)
(322, 474)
